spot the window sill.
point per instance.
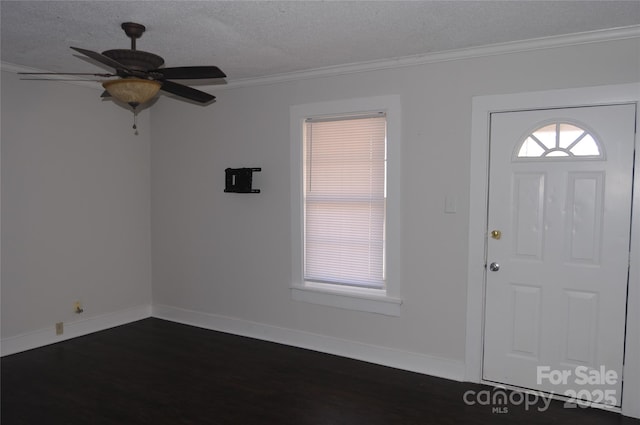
(371, 301)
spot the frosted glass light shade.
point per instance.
(134, 91)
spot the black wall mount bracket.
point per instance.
(239, 180)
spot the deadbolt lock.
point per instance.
(496, 234)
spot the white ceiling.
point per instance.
(264, 38)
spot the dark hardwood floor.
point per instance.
(158, 372)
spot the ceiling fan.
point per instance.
(141, 75)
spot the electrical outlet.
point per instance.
(77, 307)
(59, 328)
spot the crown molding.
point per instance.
(597, 36)
(552, 42)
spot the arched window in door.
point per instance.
(560, 140)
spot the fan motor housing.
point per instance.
(136, 60)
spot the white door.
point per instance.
(558, 250)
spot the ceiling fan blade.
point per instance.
(61, 80)
(68, 73)
(101, 58)
(186, 92)
(191, 72)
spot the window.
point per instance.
(559, 140)
(345, 220)
(344, 200)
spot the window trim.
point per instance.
(385, 301)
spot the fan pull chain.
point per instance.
(135, 127)
(135, 119)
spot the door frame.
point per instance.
(482, 108)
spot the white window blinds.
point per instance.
(345, 200)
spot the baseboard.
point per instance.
(414, 362)
(42, 337)
(405, 360)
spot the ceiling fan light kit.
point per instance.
(133, 91)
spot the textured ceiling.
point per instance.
(256, 39)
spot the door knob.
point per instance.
(496, 234)
(494, 267)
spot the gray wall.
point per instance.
(75, 206)
(91, 212)
(230, 255)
